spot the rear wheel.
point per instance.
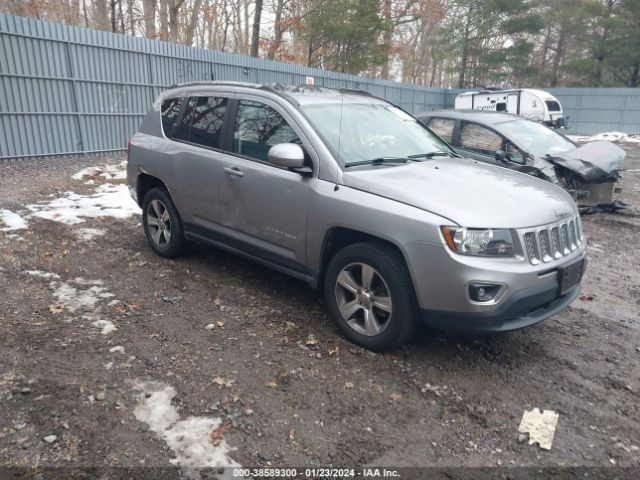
(370, 296)
(162, 225)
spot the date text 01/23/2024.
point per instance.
(315, 473)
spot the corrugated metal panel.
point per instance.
(71, 90)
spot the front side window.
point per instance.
(443, 127)
(480, 139)
(202, 121)
(169, 111)
(364, 131)
(258, 127)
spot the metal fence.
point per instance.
(70, 90)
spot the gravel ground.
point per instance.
(251, 354)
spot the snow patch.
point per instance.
(41, 274)
(10, 221)
(188, 438)
(119, 349)
(107, 201)
(78, 299)
(106, 326)
(87, 234)
(610, 136)
(106, 172)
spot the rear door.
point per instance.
(199, 136)
(263, 206)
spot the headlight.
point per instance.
(479, 241)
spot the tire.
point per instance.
(159, 214)
(370, 296)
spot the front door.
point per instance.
(263, 206)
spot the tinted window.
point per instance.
(202, 121)
(169, 111)
(258, 127)
(514, 154)
(443, 127)
(553, 106)
(478, 138)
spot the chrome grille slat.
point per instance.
(552, 241)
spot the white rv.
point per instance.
(527, 102)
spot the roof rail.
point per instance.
(216, 82)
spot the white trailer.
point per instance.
(536, 105)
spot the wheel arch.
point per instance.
(337, 238)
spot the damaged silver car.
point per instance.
(589, 172)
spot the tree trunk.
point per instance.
(114, 20)
(386, 37)
(149, 10)
(255, 32)
(555, 76)
(634, 80)
(191, 28)
(277, 31)
(465, 50)
(164, 20)
(174, 8)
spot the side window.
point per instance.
(258, 127)
(202, 121)
(479, 139)
(443, 127)
(514, 153)
(169, 112)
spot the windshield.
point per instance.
(536, 138)
(372, 131)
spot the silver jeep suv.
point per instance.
(352, 195)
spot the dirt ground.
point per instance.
(251, 354)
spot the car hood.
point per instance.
(592, 161)
(469, 193)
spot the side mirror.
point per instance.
(501, 155)
(288, 155)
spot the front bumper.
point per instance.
(523, 309)
(442, 279)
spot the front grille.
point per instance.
(553, 241)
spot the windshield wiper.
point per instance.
(379, 161)
(437, 153)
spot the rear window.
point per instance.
(202, 121)
(553, 106)
(169, 111)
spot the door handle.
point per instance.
(235, 171)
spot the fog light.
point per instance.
(485, 292)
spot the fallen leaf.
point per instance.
(220, 324)
(348, 385)
(217, 434)
(223, 382)
(586, 298)
(292, 435)
(311, 340)
(394, 397)
(271, 384)
(334, 351)
(56, 308)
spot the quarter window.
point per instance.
(169, 110)
(202, 121)
(443, 127)
(479, 139)
(257, 128)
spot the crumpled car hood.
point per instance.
(471, 193)
(592, 160)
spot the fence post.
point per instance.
(74, 97)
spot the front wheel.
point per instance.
(370, 296)
(161, 223)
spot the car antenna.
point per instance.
(337, 186)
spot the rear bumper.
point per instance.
(522, 309)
